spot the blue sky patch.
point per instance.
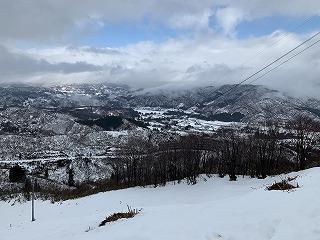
(264, 26)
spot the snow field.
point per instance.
(212, 209)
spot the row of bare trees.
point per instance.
(261, 152)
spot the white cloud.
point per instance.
(205, 58)
(193, 21)
(47, 20)
(15, 66)
(228, 18)
(199, 61)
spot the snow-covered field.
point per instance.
(212, 209)
(159, 117)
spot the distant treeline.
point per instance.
(258, 153)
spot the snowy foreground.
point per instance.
(212, 209)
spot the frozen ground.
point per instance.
(212, 209)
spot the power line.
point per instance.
(301, 105)
(286, 61)
(294, 28)
(284, 36)
(268, 65)
(282, 63)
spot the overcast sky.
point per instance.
(158, 43)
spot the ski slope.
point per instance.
(211, 209)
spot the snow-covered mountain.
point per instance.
(82, 119)
(231, 103)
(226, 103)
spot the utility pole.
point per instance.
(32, 200)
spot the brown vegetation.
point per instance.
(120, 215)
(283, 185)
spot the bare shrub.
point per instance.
(116, 216)
(283, 185)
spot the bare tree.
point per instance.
(306, 135)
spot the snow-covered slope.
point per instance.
(212, 209)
